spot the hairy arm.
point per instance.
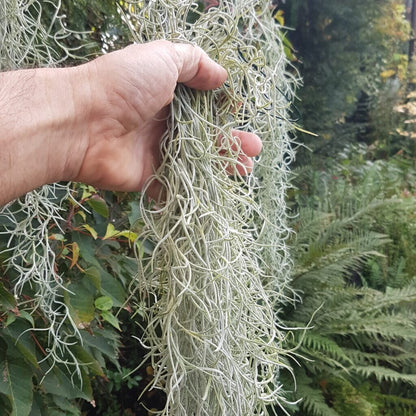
(38, 121)
(99, 123)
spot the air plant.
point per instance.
(219, 269)
(212, 333)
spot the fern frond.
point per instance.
(313, 402)
(382, 374)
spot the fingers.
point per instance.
(248, 145)
(196, 69)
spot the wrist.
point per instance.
(40, 128)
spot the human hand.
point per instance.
(99, 123)
(130, 91)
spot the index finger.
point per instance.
(196, 69)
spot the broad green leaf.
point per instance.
(103, 303)
(66, 408)
(135, 216)
(16, 377)
(105, 341)
(5, 404)
(86, 358)
(20, 341)
(11, 317)
(94, 275)
(3, 351)
(98, 205)
(28, 317)
(7, 300)
(111, 319)
(80, 301)
(112, 288)
(59, 383)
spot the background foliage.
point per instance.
(353, 207)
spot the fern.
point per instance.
(313, 402)
(359, 333)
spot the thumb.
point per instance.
(196, 69)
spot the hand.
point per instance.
(99, 123)
(130, 92)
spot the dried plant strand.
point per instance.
(212, 333)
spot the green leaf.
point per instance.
(28, 317)
(103, 303)
(98, 205)
(86, 247)
(111, 319)
(86, 358)
(80, 301)
(135, 216)
(7, 300)
(11, 317)
(19, 339)
(58, 383)
(94, 275)
(112, 288)
(16, 380)
(103, 341)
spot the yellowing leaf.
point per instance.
(75, 254)
(128, 234)
(91, 230)
(111, 232)
(278, 16)
(387, 74)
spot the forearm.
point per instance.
(38, 123)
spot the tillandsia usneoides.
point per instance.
(212, 333)
(30, 38)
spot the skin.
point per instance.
(99, 123)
